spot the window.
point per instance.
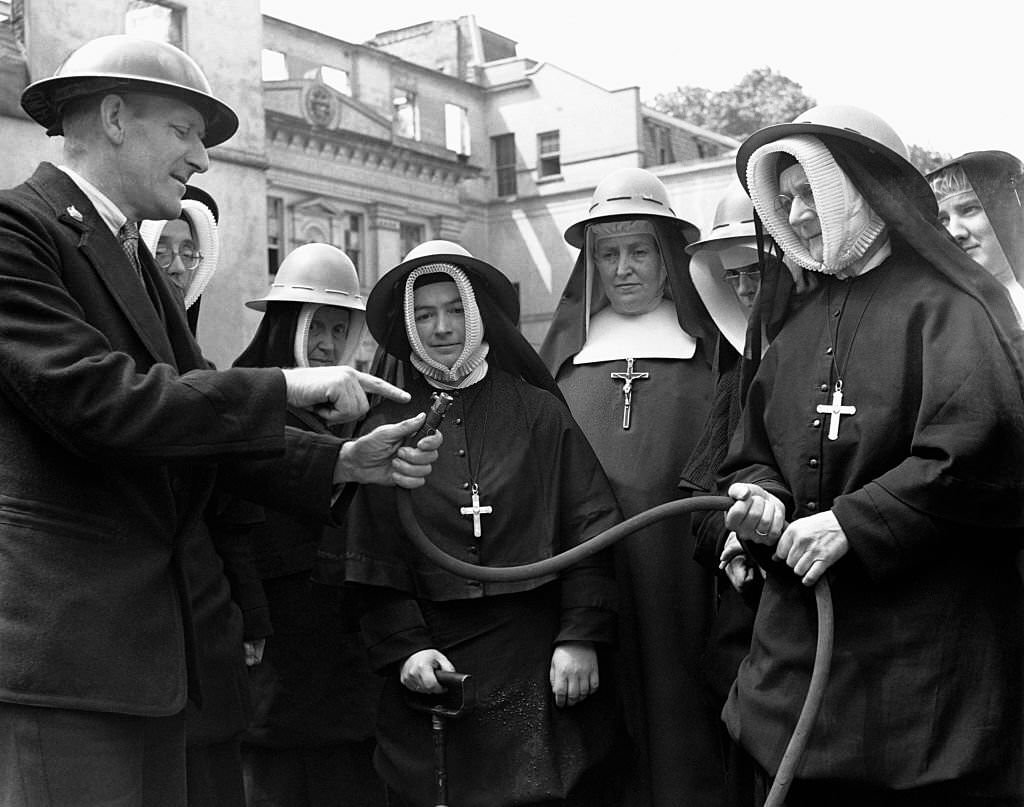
(549, 161)
(12, 29)
(275, 233)
(333, 77)
(336, 79)
(505, 163)
(157, 21)
(407, 115)
(456, 128)
(352, 239)
(275, 65)
(661, 144)
(411, 235)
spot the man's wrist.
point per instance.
(344, 471)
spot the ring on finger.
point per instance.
(762, 534)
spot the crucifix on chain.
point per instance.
(835, 410)
(476, 510)
(627, 379)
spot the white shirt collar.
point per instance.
(109, 212)
(1016, 299)
(654, 335)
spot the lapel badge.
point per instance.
(73, 212)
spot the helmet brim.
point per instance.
(576, 234)
(43, 100)
(293, 294)
(724, 237)
(873, 153)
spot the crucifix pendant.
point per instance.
(476, 510)
(627, 378)
(835, 410)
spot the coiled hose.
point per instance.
(493, 574)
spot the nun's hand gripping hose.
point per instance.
(495, 574)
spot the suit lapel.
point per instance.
(101, 250)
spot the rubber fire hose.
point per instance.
(494, 574)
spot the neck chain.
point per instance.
(833, 338)
(836, 409)
(474, 509)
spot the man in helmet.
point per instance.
(881, 443)
(630, 346)
(980, 205)
(114, 432)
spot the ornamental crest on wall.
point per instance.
(321, 105)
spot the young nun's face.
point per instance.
(440, 321)
(965, 219)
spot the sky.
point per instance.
(946, 75)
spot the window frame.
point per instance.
(457, 134)
(506, 177)
(549, 163)
(275, 245)
(409, 102)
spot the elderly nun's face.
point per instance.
(796, 199)
(631, 271)
(440, 321)
(328, 333)
(176, 253)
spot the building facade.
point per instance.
(437, 130)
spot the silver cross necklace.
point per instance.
(475, 509)
(836, 409)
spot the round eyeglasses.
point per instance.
(784, 201)
(186, 253)
(734, 275)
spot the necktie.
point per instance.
(129, 237)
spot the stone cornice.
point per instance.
(342, 147)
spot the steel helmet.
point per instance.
(734, 218)
(315, 273)
(122, 63)
(877, 140)
(625, 194)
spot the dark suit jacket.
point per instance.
(113, 435)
